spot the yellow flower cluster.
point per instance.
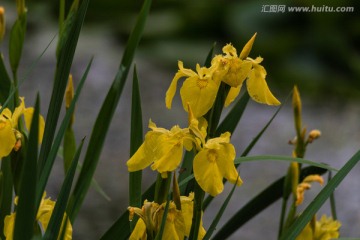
(214, 159)
(200, 88)
(10, 137)
(43, 217)
(164, 149)
(325, 229)
(178, 221)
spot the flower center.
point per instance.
(212, 156)
(201, 83)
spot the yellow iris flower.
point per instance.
(178, 222)
(9, 124)
(325, 229)
(214, 162)
(43, 217)
(163, 148)
(234, 70)
(198, 90)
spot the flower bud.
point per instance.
(296, 104)
(2, 23)
(247, 48)
(314, 134)
(69, 94)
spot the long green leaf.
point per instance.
(26, 209)
(260, 202)
(44, 176)
(105, 115)
(219, 214)
(319, 200)
(64, 62)
(229, 125)
(282, 158)
(186, 170)
(159, 236)
(17, 36)
(233, 118)
(57, 215)
(5, 81)
(136, 139)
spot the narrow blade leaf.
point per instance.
(260, 202)
(44, 176)
(282, 158)
(233, 118)
(26, 209)
(319, 200)
(104, 117)
(65, 58)
(57, 216)
(136, 139)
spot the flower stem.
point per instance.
(162, 188)
(197, 212)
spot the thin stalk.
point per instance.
(332, 200)
(162, 188)
(197, 211)
(282, 216)
(61, 15)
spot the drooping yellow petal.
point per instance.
(170, 93)
(233, 93)
(207, 172)
(182, 72)
(139, 160)
(306, 233)
(225, 161)
(7, 137)
(171, 158)
(187, 204)
(139, 232)
(9, 224)
(258, 88)
(28, 114)
(200, 94)
(247, 48)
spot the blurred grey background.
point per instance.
(317, 51)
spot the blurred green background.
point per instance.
(317, 51)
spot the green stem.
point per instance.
(213, 116)
(282, 216)
(162, 188)
(197, 212)
(291, 216)
(332, 200)
(61, 15)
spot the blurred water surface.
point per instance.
(338, 118)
